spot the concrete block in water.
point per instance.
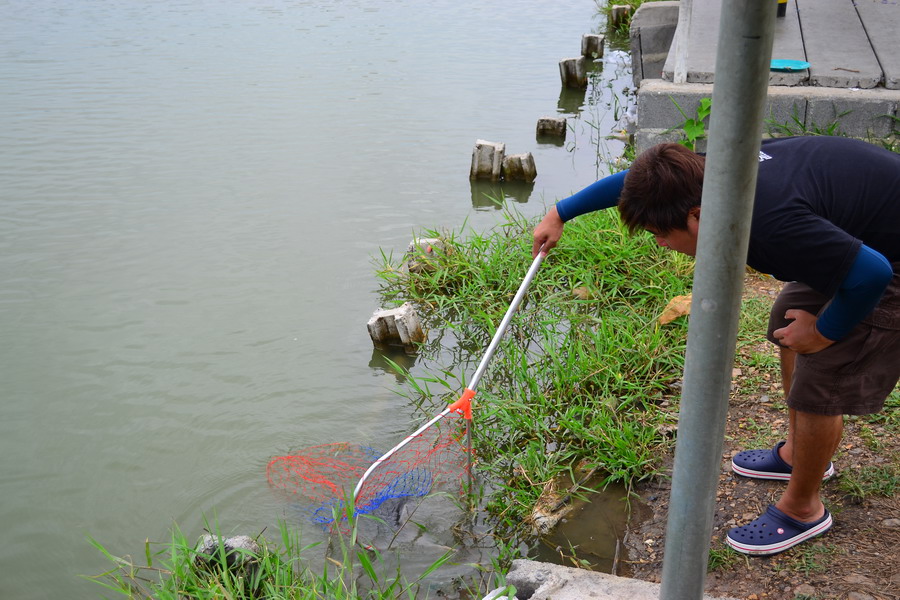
(241, 554)
(573, 72)
(551, 127)
(592, 45)
(487, 160)
(618, 14)
(397, 325)
(519, 167)
(421, 253)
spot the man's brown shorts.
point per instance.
(854, 375)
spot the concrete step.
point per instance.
(853, 112)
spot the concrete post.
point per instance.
(573, 72)
(618, 13)
(551, 127)
(592, 45)
(746, 32)
(487, 160)
(396, 325)
(422, 253)
(519, 167)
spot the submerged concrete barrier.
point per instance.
(573, 72)
(519, 167)
(423, 252)
(240, 553)
(592, 45)
(396, 325)
(618, 14)
(487, 160)
(551, 127)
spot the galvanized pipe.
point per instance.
(746, 31)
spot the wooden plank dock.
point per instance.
(848, 44)
(852, 86)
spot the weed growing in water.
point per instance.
(351, 572)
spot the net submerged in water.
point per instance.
(326, 475)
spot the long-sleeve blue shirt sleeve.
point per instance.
(603, 193)
(868, 277)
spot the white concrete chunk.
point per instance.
(551, 126)
(519, 167)
(487, 160)
(592, 45)
(396, 325)
(573, 72)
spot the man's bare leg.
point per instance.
(788, 359)
(811, 442)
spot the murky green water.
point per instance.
(191, 196)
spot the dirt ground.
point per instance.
(858, 559)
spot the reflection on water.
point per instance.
(487, 195)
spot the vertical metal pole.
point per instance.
(743, 56)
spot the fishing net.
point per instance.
(326, 476)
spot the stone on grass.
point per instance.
(241, 554)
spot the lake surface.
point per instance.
(192, 196)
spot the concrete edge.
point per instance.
(544, 581)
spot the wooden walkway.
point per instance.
(851, 44)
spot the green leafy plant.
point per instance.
(867, 481)
(693, 128)
(796, 126)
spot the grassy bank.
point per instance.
(583, 377)
(274, 571)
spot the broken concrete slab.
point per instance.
(396, 326)
(544, 581)
(487, 160)
(573, 72)
(519, 167)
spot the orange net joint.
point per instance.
(464, 404)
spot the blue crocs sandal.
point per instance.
(766, 464)
(775, 532)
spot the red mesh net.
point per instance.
(326, 475)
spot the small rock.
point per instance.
(891, 523)
(804, 589)
(857, 579)
(241, 554)
(859, 596)
(499, 594)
